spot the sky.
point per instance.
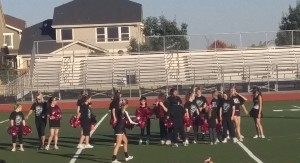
(202, 16)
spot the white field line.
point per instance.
(4, 121)
(296, 106)
(249, 152)
(73, 160)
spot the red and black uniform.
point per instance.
(85, 119)
(212, 117)
(256, 107)
(54, 123)
(40, 110)
(17, 117)
(227, 123)
(120, 127)
(238, 102)
(148, 122)
(161, 115)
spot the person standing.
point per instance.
(256, 112)
(39, 107)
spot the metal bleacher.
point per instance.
(158, 70)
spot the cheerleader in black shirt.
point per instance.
(121, 117)
(192, 111)
(17, 119)
(256, 112)
(161, 110)
(213, 118)
(85, 115)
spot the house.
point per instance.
(100, 27)
(11, 31)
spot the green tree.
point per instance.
(7, 74)
(290, 21)
(162, 34)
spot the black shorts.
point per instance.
(120, 129)
(40, 124)
(237, 112)
(86, 128)
(254, 113)
(54, 124)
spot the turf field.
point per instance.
(282, 144)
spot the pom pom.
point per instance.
(129, 125)
(13, 130)
(57, 115)
(168, 123)
(26, 130)
(112, 122)
(74, 122)
(204, 128)
(188, 122)
(142, 121)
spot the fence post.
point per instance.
(59, 95)
(178, 67)
(164, 43)
(140, 91)
(276, 84)
(292, 38)
(268, 78)
(194, 77)
(241, 41)
(249, 79)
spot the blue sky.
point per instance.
(202, 16)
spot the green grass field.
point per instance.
(282, 144)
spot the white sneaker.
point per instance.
(88, 146)
(255, 136)
(217, 141)
(211, 143)
(47, 147)
(13, 150)
(116, 161)
(147, 142)
(187, 142)
(140, 142)
(175, 145)
(241, 140)
(225, 140)
(168, 142)
(235, 140)
(21, 149)
(80, 146)
(228, 137)
(242, 137)
(128, 158)
(263, 136)
(56, 147)
(194, 142)
(162, 142)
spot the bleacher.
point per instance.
(158, 70)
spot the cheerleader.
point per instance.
(39, 107)
(161, 110)
(121, 117)
(191, 112)
(227, 111)
(238, 101)
(85, 117)
(201, 102)
(83, 93)
(256, 112)
(54, 122)
(213, 118)
(114, 106)
(17, 119)
(143, 109)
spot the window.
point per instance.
(100, 34)
(125, 33)
(66, 34)
(8, 40)
(112, 34)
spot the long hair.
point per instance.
(143, 98)
(162, 96)
(85, 98)
(172, 91)
(188, 96)
(51, 99)
(82, 94)
(41, 97)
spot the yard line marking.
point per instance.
(296, 106)
(249, 152)
(4, 121)
(294, 109)
(277, 110)
(73, 160)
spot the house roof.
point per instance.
(44, 34)
(83, 12)
(15, 22)
(81, 43)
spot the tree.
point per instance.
(219, 44)
(162, 34)
(290, 21)
(7, 74)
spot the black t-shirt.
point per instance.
(238, 101)
(115, 103)
(215, 103)
(85, 111)
(227, 107)
(176, 114)
(78, 103)
(17, 117)
(40, 109)
(200, 101)
(192, 108)
(256, 102)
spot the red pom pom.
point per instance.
(142, 121)
(188, 122)
(57, 115)
(129, 125)
(26, 130)
(204, 128)
(112, 122)
(13, 130)
(168, 123)
(74, 122)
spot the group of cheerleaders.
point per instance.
(175, 119)
(222, 113)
